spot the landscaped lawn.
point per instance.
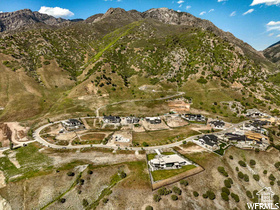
(165, 174)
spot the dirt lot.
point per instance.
(175, 121)
(153, 127)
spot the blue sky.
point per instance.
(256, 22)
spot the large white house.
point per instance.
(168, 162)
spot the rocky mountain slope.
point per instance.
(22, 19)
(273, 52)
(114, 53)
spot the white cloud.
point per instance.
(56, 11)
(1, 11)
(232, 14)
(221, 0)
(188, 7)
(178, 10)
(211, 10)
(202, 13)
(271, 34)
(273, 25)
(180, 2)
(278, 35)
(248, 12)
(267, 2)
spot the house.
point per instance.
(193, 117)
(265, 195)
(132, 120)
(217, 124)
(254, 113)
(235, 138)
(153, 120)
(72, 124)
(210, 141)
(111, 119)
(167, 162)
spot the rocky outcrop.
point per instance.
(10, 21)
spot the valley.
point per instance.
(135, 110)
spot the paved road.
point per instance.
(39, 139)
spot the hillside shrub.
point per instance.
(231, 157)
(256, 177)
(246, 178)
(235, 197)
(149, 208)
(164, 191)
(252, 162)
(227, 183)
(122, 174)
(205, 196)
(226, 190)
(242, 163)
(222, 171)
(195, 194)
(277, 165)
(265, 172)
(70, 173)
(224, 196)
(157, 198)
(85, 202)
(177, 190)
(211, 195)
(105, 200)
(202, 80)
(240, 175)
(272, 177)
(184, 182)
(249, 194)
(62, 200)
(174, 197)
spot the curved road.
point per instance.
(39, 139)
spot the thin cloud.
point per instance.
(211, 10)
(180, 5)
(202, 13)
(248, 12)
(180, 2)
(271, 34)
(56, 12)
(267, 2)
(232, 14)
(278, 35)
(188, 7)
(273, 25)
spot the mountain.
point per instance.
(21, 19)
(273, 52)
(58, 66)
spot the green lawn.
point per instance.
(165, 174)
